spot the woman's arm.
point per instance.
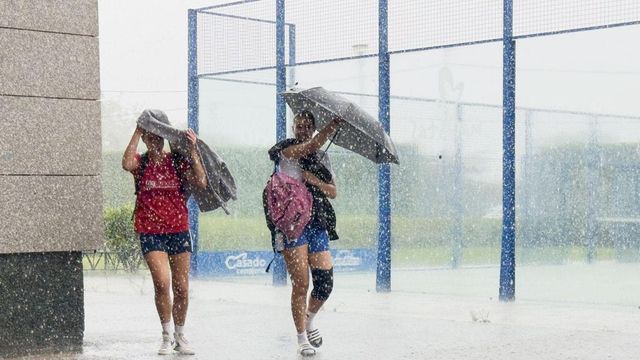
(129, 160)
(301, 150)
(195, 175)
(328, 189)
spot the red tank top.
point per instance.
(161, 208)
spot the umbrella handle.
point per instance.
(330, 142)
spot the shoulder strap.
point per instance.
(144, 161)
(176, 161)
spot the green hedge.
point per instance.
(121, 240)
(421, 203)
(220, 232)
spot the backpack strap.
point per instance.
(176, 161)
(137, 176)
(270, 262)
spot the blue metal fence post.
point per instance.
(291, 69)
(383, 274)
(193, 122)
(279, 267)
(526, 192)
(458, 195)
(507, 258)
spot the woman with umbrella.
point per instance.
(301, 159)
(359, 132)
(162, 222)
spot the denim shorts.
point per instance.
(172, 244)
(317, 238)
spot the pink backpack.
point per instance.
(289, 204)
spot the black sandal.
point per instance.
(315, 339)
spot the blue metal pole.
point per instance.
(193, 123)
(279, 267)
(383, 273)
(292, 56)
(508, 256)
(526, 220)
(458, 194)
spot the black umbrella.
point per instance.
(361, 132)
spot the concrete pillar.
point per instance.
(50, 164)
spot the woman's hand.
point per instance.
(193, 140)
(196, 174)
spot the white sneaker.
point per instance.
(167, 345)
(182, 345)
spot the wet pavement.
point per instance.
(249, 319)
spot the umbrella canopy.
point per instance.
(221, 186)
(361, 132)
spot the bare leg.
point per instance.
(158, 263)
(180, 281)
(298, 267)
